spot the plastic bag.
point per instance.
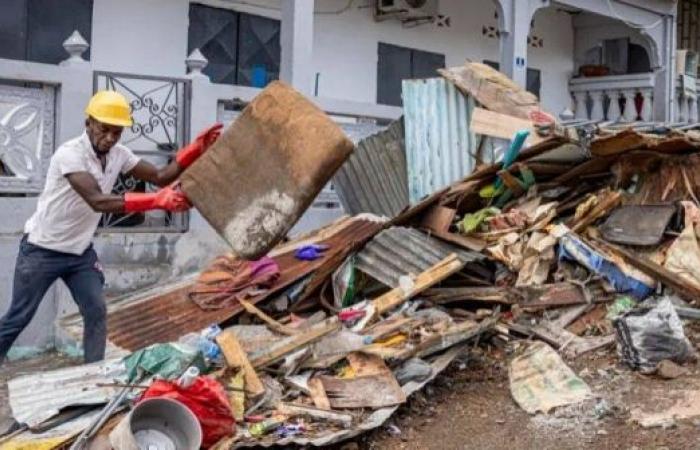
(207, 399)
(649, 334)
(167, 361)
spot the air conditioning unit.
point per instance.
(407, 10)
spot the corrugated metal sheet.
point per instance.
(37, 397)
(165, 313)
(374, 178)
(399, 251)
(439, 143)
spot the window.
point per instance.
(399, 63)
(34, 30)
(533, 78)
(242, 48)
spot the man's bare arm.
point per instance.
(86, 186)
(146, 171)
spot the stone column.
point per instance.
(515, 17)
(297, 44)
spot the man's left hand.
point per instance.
(189, 154)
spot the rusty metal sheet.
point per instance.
(374, 178)
(265, 170)
(399, 251)
(637, 224)
(164, 314)
(439, 141)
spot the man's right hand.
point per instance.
(170, 198)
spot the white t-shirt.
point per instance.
(63, 221)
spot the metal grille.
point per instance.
(160, 107)
(27, 119)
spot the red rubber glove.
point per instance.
(189, 154)
(169, 198)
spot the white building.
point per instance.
(335, 51)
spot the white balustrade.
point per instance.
(612, 98)
(686, 99)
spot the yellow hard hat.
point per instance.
(109, 107)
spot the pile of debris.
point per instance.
(579, 237)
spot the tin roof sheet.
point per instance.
(399, 251)
(374, 178)
(37, 397)
(165, 313)
(439, 143)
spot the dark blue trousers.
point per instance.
(36, 270)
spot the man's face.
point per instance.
(102, 136)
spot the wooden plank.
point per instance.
(609, 201)
(318, 394)
(236, 357)
(430, 277)
(288, 345)
(467, 242)
(376, 391)
(492, 89)
(292, 409)
(502, 126)
(681, 286)
(486, 294)
(272, 323)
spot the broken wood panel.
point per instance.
(682, 287)
(466, 242)
(492, 89)
(286, 346)
(609, 201)
(295, 410)
(364, 364)
(624, 141)
(438, 219)
(235, 356)
(430, 277)
(486, 294)
(291, 146)
(318, 394)
(376, 391)
(502, 126)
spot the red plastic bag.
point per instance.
(207, 399)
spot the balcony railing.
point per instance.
(616, 98)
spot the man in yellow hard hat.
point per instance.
(79, 182)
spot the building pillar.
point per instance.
(663, 43)
(515, 17)
(297, 43)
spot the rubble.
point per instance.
(556, 248)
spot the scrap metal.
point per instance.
(374, 178)
(400, 251)
(439, 142)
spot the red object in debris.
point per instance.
(349, 315)
(207, 399)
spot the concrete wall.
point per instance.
(150, 37)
